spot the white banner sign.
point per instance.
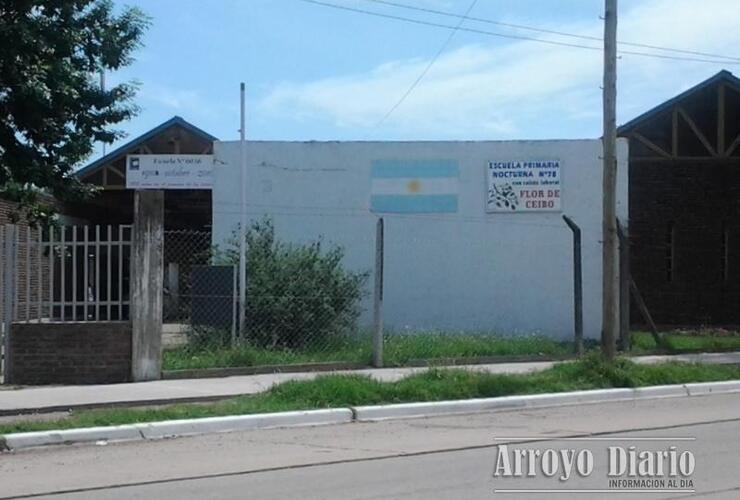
(169, 171)
(523, 186)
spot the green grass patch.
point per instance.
(399, 350)
(332, 391)
(709, 340)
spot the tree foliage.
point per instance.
(52, 109)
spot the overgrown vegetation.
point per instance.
(399, 350)
(403, 349)
(298, 296)
(331, 391)
(700, 340)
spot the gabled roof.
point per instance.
(138, 141)
(722, 76)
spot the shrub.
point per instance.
(297, 295)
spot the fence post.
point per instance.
(625, 338)
(173, 285)
(9, 272)
(378, 297)
(234, 304)
(577, 284)
(147, 285)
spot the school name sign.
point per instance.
(169, 171)
(523, 186)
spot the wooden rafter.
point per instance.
(733, 146)
(696, 130)
(651, 145)
(116, 171)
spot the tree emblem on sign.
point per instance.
(503, 196)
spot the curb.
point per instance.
(175, 428)
(432, 409)
(212, 425)
(417, 410)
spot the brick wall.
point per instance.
(70, 353)
(6, 209)
(701, 201)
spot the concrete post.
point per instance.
(147, 285)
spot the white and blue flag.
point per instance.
(414, 186)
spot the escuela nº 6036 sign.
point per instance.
(169, 171)
(523, 186)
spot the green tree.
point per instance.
(52, 109)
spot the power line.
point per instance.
(551, 32)
(514, 37)
(429, 66)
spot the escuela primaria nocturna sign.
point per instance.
(523, 186)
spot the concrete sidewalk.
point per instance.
(49, 399)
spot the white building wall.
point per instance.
(475, 271)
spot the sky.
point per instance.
(317, 73)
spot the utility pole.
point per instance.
(242, 216)
(610, 310)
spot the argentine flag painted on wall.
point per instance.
(414, 186)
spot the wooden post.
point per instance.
(625, 338)
(610, 297)
(577, 285)
(645, 313)
(147, 285)
(378, 297)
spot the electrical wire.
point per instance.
(514, 37)
(428, 66)
(551, 32)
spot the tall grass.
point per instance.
(399, 350)
(331, 391)
(678, 341)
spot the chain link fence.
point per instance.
(307, 300)
(302, 304)
(199, 301)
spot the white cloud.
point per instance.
(499, 89)
(176, 99)
(189, 103)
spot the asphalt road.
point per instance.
(435, 458)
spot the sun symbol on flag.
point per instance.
(413, 186)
